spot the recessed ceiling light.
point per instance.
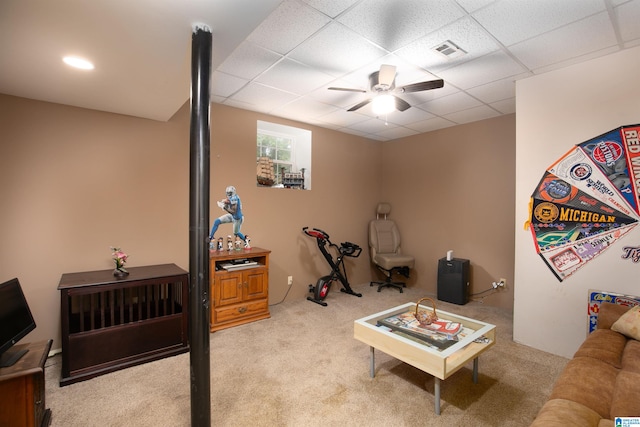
(76, 62)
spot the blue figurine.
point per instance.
(233, 206)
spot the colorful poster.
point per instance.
(578, 169)
(631, 141)
(587, 200)
(566, 260)
(608, 153)
(562, 214)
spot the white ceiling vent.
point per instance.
(449, 50)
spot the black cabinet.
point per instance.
(453, 280)
(111, 323)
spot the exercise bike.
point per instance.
(338, 271)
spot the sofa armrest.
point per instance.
(609, 313)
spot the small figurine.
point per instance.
(220, 244)
(229, 243)
(247, 242)
(233, 213)
(238, 243)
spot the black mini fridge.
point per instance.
(453, 280)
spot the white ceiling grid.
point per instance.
(504, 41)
(281, 56)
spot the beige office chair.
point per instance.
(384, 248)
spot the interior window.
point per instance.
(283, 156)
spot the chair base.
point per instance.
(388, 284)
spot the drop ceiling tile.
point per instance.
(567, 42)
(303, 109)
(331, 8)
(494, 91)
(288, 26)
(431, 124)
(248, 61)
(394, 23)
(263, 98)
(487, 69)
(411, 115)
(397, 132)
(514, 21)
(506, 106)
(631, 44)
(472, 114)
(465, 33)
(342, 118)
(628, 16)
(576, 60)
(355, 132)
(473, 5)
(294, 77)
(336, 50)
(224, 85)
(449, 104)
(372, 126)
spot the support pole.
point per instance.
(200, 364)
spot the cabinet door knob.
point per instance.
(242, 309)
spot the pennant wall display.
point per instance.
(587, 200)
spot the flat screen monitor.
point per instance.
(16, 321)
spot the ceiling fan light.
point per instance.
(77, 62)
(383, 104)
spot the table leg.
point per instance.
(475, 370)
(436, 384)
(372, 365)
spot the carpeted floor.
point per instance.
(302, 367)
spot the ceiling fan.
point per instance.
(382, 84)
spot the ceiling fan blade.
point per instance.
(417, 87)
(347, 89)
(386, 75)
(360, 105)
(401, 104)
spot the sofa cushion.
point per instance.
(626, 395)
(587, 381)
(631, 357)
(629, 323)
(605, 345)
(609, 313)
(565, 413)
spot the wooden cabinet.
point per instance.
(239, 287)
(22, 399)
(111, 323)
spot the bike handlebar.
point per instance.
(316, 232)
(350, 249)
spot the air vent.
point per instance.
(449, 50)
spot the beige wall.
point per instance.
(74, 182)
(454, 189)
(345, 190)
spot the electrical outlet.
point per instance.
(502, 283)
(290, 280)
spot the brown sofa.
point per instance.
(601, 382)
